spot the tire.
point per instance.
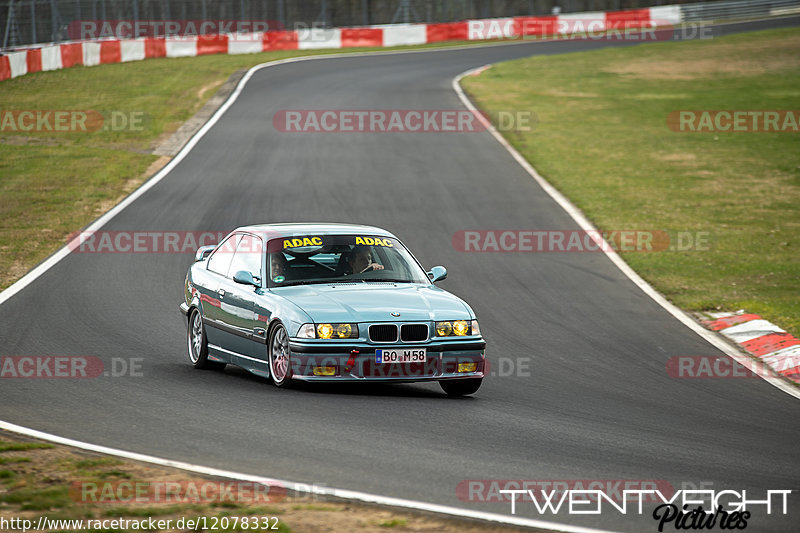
(461, 387)
(280, 364)
(197, 344)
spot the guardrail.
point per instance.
(35, 21)
(26, 22)
(738, 9)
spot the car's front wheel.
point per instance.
(198, 345)
(280, 367)
(461, 387)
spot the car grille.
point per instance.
(383, 333)
(413, 332)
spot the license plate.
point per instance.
(416, 355)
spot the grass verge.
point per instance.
(62, 483)
(602, 139)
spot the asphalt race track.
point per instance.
(593, 403)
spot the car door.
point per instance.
(213, 291)
(238, 302)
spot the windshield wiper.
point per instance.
(319, 282)
(287, 284)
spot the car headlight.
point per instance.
(306, 331)
(328, 331)
(476, 329)
(457, 328)
(324, 331)
(461, 328)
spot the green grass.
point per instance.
(22, 446)
(12, 460)
(313, 507)
(602, 139)
(260, 510)
(393, 523)
(151, 510)
(115, 474)
(88, 464)
(40, 490)
(39, 499)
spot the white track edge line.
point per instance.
(304, 487)
(715, 340)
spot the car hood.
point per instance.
(373, 302)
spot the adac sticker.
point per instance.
(302, 241)
(374, 241)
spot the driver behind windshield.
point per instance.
(278, 266)
(360, 260)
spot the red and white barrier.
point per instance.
(404, 34)
(89, 53)
(246, 43)
(131, 50)
(773, 345)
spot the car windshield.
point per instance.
(340, 259)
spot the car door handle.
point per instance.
(222, 293)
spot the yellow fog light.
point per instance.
(324, 370)
(460, 327)
(443, 329)
(344, 330)
(467, 367)
(325, 331)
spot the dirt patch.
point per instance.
(213, 85)
(710, 68)
(682, 157)
(570, 94)
(154, 167)
(659, 96)
(14, 272)
(735, 59)
(23, 140)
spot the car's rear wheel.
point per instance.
(280, 367)
(198, 345)
(461, 387)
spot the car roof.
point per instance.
(295, 229)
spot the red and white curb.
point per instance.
(98, 52)
(772, 345)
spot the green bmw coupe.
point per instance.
(328, 302)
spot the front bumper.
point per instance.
(357, 361)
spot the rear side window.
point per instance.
(220, 260)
